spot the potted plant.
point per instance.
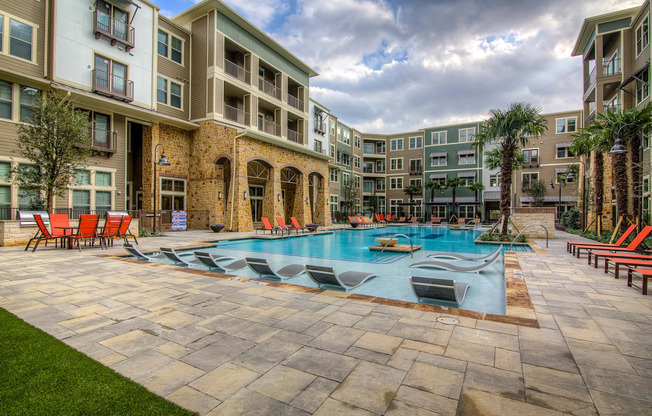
(312, 227)
(217, 227)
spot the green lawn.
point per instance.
(40, 375)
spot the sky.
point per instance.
(391, 66)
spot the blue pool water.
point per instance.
(348, 250)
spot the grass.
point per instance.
(43, 376)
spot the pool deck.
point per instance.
(220, 346)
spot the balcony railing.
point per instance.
(269, 88)
(613, 107)
(236, 71)
(320, 128)
(611, 67)
(235, 114)
(116, 30)
(416, 171)
(295, 102)
(319, 148)
(104, 141)
(295, 136)
(590, 80)
(113, 85)
(590, 117)
(269, 127)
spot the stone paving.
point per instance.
(223, 347)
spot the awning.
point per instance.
(413, 203)
(491, 195)
(466, 152)
(635, 76)
(449, 200)
(438, 175)
(438, 154)
(562, 169)
(552, 198)
(565, 144)
(466, 174)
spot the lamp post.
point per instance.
(620, 149)
(552, 186)
(163, 162)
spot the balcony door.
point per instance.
(119, 75)
(120, 19)
(102, 72)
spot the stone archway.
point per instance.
(260, 190)
(223, 174)
(292, 194)
(316, 195)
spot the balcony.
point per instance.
(320, 127)
(104, 141)
(416, 171)
(235, 114)
(116, 30)
(112, 85)
(295, 136)
(588, 82)
(269, 88)
(270, 127)
(611, 67)
(296, 102)
(611, 107)
(590, 118)
(237, 72)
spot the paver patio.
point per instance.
(218, 346)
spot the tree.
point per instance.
(433, 186)
(349, 194)
(537, 189)
(511, 129)
(412, 190)
(476, 188)
(453, 184)
(56, 140)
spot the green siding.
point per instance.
(615, 25)
(588, 45)
(248, 41)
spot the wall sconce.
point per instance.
(245, 195)
(219, 195)
(278, 197)
(307, 201)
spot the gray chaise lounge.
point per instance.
(134, 251)
(327, 276)
(211, 261)
(439, 289)
(263, 269)
(450, 266)
(457, 256)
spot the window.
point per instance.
(334, 203)
(415, 166)
(466, 135)
(396, 145)
(332, 150)
(171, 96)
(101, 125)
(5, 170)
(170, 46)
(332, 128)
(176, 52)
(357, 142)
(416, 142)
(103, 178)
(111, 76)
(356, 161)
(28, 97)
(173, 194)
(81, 201)
(82, 177)
(102, 201)
(334, 175)
(5, 202)
(566, 125)
(564, 151)
(646, 185)
(531, 156)
(318, 146)
(642, 36)
(380, 166)
(643, 88)
(2, 31)
(6, 93)
(357, 181)
(467, 211)
(368, 148)
(528, 178)
(439, 160)
(368, 187)
(368, 167)
(394, 208)
(467, 159)
(439, 137)
(162, 43)
(396, 163)
(438, 211)
(468, 181)
(20, 39)
(380, 185)
(380, 147)
(416, 182)
(494, 180)
(396, 183)
(346, 178)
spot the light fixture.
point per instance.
(278, 197)
(307, 201)
(245, 195)
(219, 195)
(164, 162)
(571, 176)
(552, 185)
(618, 148)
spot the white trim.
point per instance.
(445, 132)
(169, 92)
(397, 168)
(566, 124)
(391, 143)
(6, 36)
(170, 36)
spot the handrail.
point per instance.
(523, 230)
(390, 240)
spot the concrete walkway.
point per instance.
(226, 347)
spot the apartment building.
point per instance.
(234, 120)
(616, 56)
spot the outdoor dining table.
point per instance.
(67, 235)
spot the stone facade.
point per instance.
(522, 217)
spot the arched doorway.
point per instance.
(259, 176)
(223, 175)
(291, 179)
(315, 195)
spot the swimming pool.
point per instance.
(348, 250)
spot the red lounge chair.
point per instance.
(632, 247)
(57, 221)
(402, 219)
(625, 262)
(607, 255)
(645, 274)
(87, 229)
(461, 221)
(353, 220)
(365, 223)
(570, 246)
(266, 226)
(435, 220)
(111, 230)
(282, 226)
(124, 229)
(42, 235)
(296, 226)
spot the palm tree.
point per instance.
(433, 186)
(412, 190)
(454, 183)
(476, 188)
(511, 129)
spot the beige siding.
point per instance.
(199, 58)
(176, 72)
(32, 11)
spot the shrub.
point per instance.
(502, 237)
(571, 218)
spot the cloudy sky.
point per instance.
(389, 66)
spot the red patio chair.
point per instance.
(125, 232)
(282, 226)
(625, 262)
(368, 224)
(632, 247)
(59, 220)
(570, 246)
(111, 230)
(645, 275)
(266, 226)
(87, 229)
(296, 226)
(42, 235)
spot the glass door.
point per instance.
(119, 78)
(120, 23)
(102, 72)
(256, 199)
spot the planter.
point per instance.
(355, 224)
(387, 242)
(312, 227)
(217, 227)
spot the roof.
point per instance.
(590, 23)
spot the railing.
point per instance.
(523, 230)
(113, 85)
(417, 171)
(367, 170)
(269, 88)
(613, 107)
(104, 140)
(295, 102)
(611, 67)
(590, 80)
(236, 71)
(295, 136)
(590, 117)
(320, 128)
(269, 127)
(235, 114)
(116, 30)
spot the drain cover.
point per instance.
(447, 320)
